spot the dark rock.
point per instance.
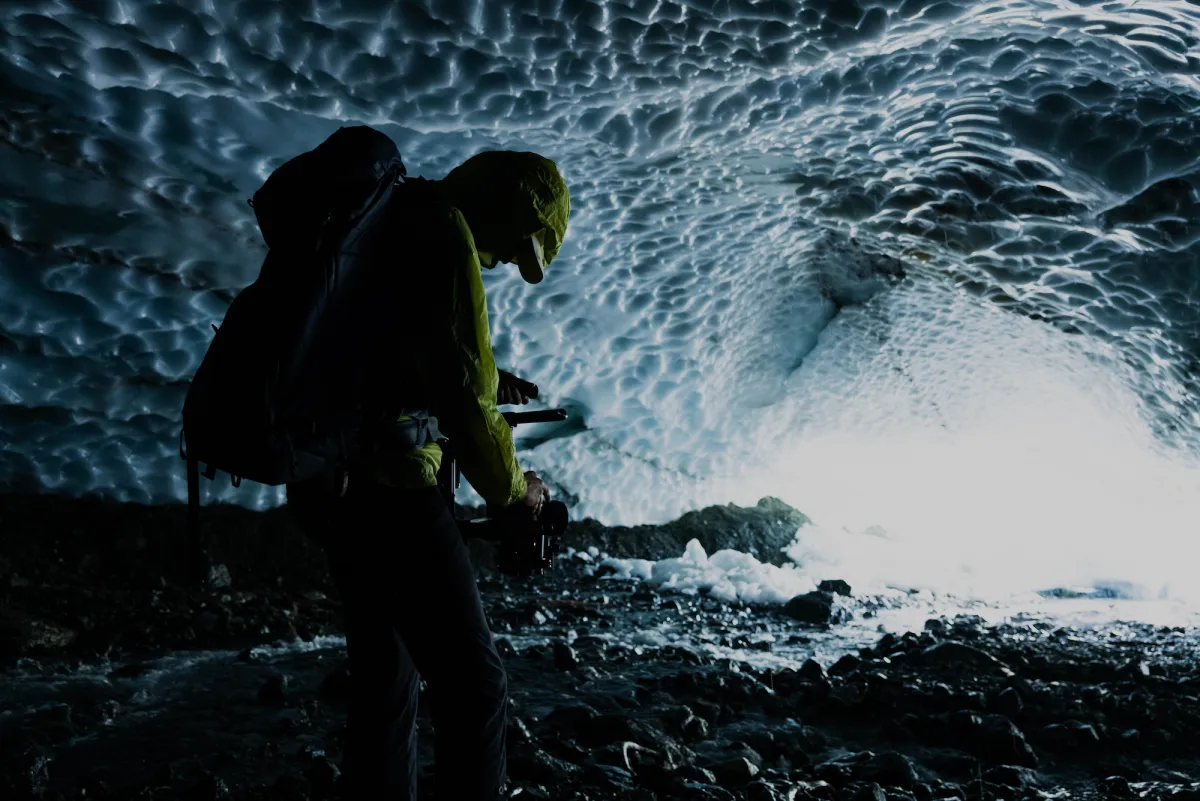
(812, 670)
(956, 653)
(870, 792)
(1008, 703)
(847, 664)
(539, 766)
(569, 719)
(609, 776)
(695, 773)
(32, 772)
(1068, 736)
(248, 656)
(1116, 787)
(219, 577)
(699, 791)
(835, 586)
(1012, 776)
(273, 690)
(760, 791)
(130, 671)
(694, 728)
(735, 772)
(891, 768)
(817, 608)
(805, 790)
(565, 657)
(748, 753)
(763, 530)
(992, 738)
(922, 792)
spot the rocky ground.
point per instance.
(119, 683)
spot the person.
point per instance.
(411, 605)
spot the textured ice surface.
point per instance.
(924, 265)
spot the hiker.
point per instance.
(411, 605)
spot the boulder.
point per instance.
(835, 586)
(818, 608)
(762, 531)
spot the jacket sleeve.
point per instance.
(482, 441)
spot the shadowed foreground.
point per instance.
(120, 685)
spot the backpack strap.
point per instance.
(195, 547)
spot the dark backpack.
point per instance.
(281, 395)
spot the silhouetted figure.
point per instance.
(412, 608)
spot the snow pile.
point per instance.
(726, 575)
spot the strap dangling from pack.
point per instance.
(195, 546)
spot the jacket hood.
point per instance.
(508, 196)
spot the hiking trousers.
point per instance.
(412, 610)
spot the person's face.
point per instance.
(523, 251)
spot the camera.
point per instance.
(525, 545)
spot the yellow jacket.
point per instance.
(502, 193)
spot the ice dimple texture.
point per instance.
(742, 176)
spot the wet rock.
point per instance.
(992, 738)
(959, 654)
(107, 710)
(1116, 787)
(735, 772)
(834, 586)
(890, 768)
(567, 720)
(21, 634)
(1012, 776)
(29, 777)
(565, 657)
(699, 791)
(846, 665)
(817, 608)
(274, 689)
(627, 755)
(129, 671)
(1068, 736)
(698, 774)
(541, 767)
(219, 577)
(210, 787)
(1008, 703)
(869, 792)
(805, 790)
(812, 670)
(609, 776)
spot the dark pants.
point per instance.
(412, 610)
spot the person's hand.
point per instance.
(536, 492)
(509, 390)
